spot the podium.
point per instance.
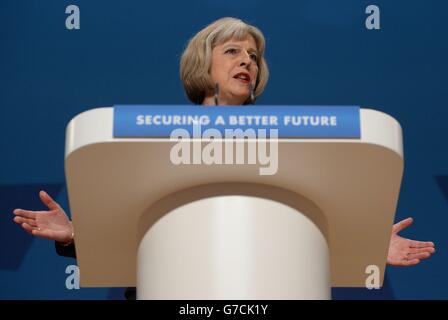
(224, 231)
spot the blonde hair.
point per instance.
(196, 59)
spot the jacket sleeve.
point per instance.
(65, 251)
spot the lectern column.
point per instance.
(233, 247)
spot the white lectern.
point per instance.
(224, 231)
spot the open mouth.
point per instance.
(243, 77)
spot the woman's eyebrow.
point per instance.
(232, 44)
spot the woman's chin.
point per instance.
(240, 96)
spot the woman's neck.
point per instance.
(210, 101)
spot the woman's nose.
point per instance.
(245, 60)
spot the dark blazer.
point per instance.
(69, 251)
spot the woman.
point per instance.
(228, 53)
(222, 64)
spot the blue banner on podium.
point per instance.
(324, 122)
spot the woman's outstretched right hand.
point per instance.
(52, 224)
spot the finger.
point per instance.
(412, 262)
(48, 201)
(21, 220)
(423, 255)
(403, 224)
(421, 244)
(421, 250)
(25, 213)
(28, 228)
(47, 234)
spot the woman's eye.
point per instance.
(232, 51)
(254, 57)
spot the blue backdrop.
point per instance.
(127, 52)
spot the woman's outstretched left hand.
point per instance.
(406, 252)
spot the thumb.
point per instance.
(403, 224)
(48, 201)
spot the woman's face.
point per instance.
(234, 66)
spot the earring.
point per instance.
(216, 94)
